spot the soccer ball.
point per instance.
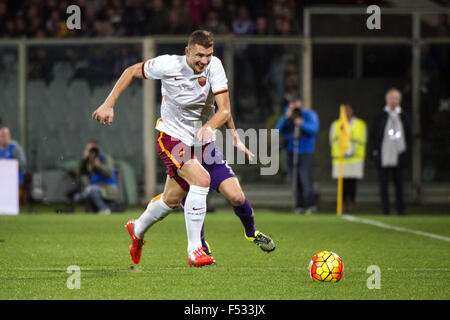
(326, 266)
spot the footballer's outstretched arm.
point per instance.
(236, 140)
(221, 116)
(105, 113)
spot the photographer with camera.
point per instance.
(299, 128)
(102, 186)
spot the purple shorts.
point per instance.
(175, 153)
(216, 165)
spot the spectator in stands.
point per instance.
(89, 16)
(158, 19)
(197, 11)
(135, 19)
(3, 15)
(261, 26)
(102, 25)
(214, 25)
(443, 28)
(10, 29)
(21, 27)
(55, 26)
(223, 12)
(282, 17)
(11, 149)
(353, 161)
(138, 17)
(179, 19)
(102, 191)
(299, 128)
(388, 144)
(242, 25)
(282, 27)
(115, 17)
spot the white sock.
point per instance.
(156, 211)
(194, 215)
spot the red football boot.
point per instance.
(136, 243)
(199, 258)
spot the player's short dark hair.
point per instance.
(202, 38)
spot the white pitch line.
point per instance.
(401, 229)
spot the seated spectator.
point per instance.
(223, 12)
(214, 25)
(197, 11)
(107, 18)
(158, 19)
(102, 191)
(3, 15)
(242, 25)
(261, 26)
(10, 149)
(179, 19)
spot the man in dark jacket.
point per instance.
(389, 142)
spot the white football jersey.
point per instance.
(187, 98)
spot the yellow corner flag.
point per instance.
(344, 145)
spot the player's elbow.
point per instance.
(227, 114)
(135, 71)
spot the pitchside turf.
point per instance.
(36, 250)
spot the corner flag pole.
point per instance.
(344, 144)
(340, 186)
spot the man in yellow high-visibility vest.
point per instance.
(353, 158)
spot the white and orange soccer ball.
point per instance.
(326, 266)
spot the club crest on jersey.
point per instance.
(202, 81)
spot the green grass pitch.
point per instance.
(35, 251)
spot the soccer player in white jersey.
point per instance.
(190, 84)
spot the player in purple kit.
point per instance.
(224, 181)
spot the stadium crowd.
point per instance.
(115, 18)
(125, 18)
(120, 18)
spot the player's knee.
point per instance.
(236, 199)
(173, 204)
(172, 201)
(202, 180)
